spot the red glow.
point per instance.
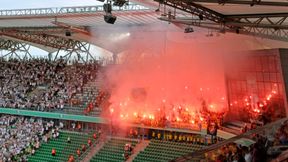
(148, 90)
(150, 116)
(135, 114)
(257, 110)
(254, 104)
(111, 110)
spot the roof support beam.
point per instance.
(193, 8)
(243, 24)
(270, 25)
(53, 41)
(257, 15)
(252, 30)
(245, 2)
(70, 46)
(77, 10)
(71, 27)
(14, 49)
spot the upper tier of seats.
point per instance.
(43, 85)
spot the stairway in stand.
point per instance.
(90, 91)
(139, 147)
(113, 150)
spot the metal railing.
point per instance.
(67, 10)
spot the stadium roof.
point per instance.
(43, 26)
(233, 7)
(30, 25)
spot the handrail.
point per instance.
(218, 145)
(53, 115)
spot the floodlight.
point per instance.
(188, 30)
(109, 18)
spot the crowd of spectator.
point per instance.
(264, 148)
(281, 136)
(97, 102)
(41, 84)
(21, 136)
(237, 153)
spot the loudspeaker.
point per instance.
(188, 30)
(201, 17)
(119, 3)
(68, 34)
(107, 8)
(110, 19)
(160, 1)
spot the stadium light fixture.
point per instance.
(107, 8)
(68, 33)
(108, 17)
(188, 29)
(119, 3)
(237, 31)
(201, 17)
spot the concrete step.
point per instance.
(239, 124)
(233, 131)
(139, 147)
(96, 148)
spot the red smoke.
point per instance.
(162, 70)
(181, 78)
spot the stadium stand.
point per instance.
(42, 94)
(113, 150)
(63, 148)
(19, 136)
(159, 150)
(45, 86)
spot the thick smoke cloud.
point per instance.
(159, 71)
(163, 68)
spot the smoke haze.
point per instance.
(163, 68)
